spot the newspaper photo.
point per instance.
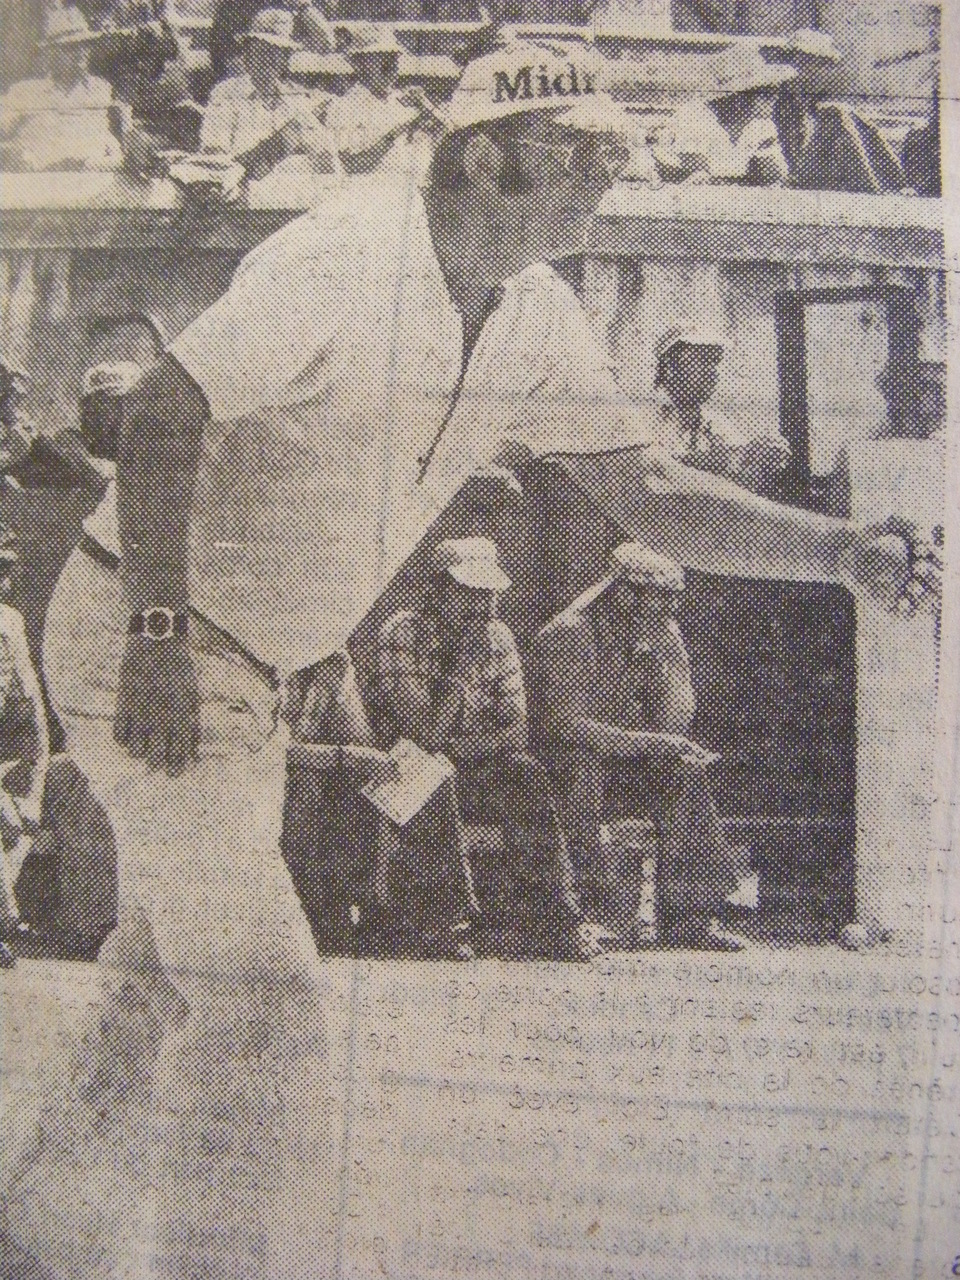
(478, 640)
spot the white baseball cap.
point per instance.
(520, 78)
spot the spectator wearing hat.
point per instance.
(449, 678)
(16, 431)
(616, 704)
(60, 120)
(688, 364)
(794, 114)
(58, 894)
(153, 107)
(728, 135)
(257, 117)
(374, 118)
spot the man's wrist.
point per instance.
(159, 622)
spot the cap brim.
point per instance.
(278, 42)
(479, 578)
(66, 42)
(466, 116)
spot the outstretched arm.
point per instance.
(716, 526)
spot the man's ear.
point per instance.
(482, 161)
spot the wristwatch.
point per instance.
(159, 623)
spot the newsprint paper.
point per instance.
(478, 652)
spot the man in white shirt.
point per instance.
(288, 452)
(729, 134)
(688, 367)
(373, 121)
(60, 120)
(257, 116)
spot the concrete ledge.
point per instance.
(780, 225)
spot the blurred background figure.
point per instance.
(744, 17)
(920, 156)
(688, 368)
(59, 887)
(16, 429)
(374, 117)
(60, 120)
(231, 21)
(729, 135)
(258, 117)
(153, 108)
(794, 114)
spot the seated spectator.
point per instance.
(60, 887)
(60, 120)
(616, 704)
(688, 364)
(153, 107)
(374, 118)
(730, 135)
(311, 30)
(231, 21)
(449, 679)
(819, 75)
(258, 118)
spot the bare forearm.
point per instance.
(157, 466)
(717, 526)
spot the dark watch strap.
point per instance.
(159, 623)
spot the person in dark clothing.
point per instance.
(231, 21)
(920, 155)
(153, 107)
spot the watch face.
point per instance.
(158, 623)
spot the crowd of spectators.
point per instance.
(120, 83)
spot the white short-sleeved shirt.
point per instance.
(237, 117)
(537, 376)
(52, 126)
(695, 130)
(329, 366)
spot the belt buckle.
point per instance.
(158, 622)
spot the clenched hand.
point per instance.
(158, 703)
